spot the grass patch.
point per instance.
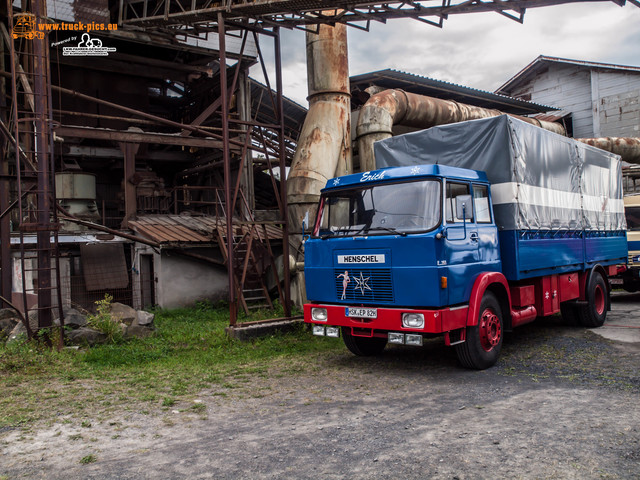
(88, 459)
(189, 352)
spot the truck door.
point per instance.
(488, 251)
(460, 252)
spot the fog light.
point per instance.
(333, 332)
(413, 320)
(415, 340)
(396, 338)
(319, 314)
(318, 330)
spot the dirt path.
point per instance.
(562, 403)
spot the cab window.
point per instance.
(454, 190)
(481, 203)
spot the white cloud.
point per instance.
(480, 50)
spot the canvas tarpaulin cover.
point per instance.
(539, 180)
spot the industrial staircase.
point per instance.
(251, 257)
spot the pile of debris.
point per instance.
(134, 323)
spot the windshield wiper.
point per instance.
(343, 231)
(356, 231)
(388, 229)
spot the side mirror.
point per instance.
(464, 208)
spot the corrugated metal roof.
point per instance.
(440, 89)
(531, 69)
(552, 116)
(185, 229)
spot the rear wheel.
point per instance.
(363, 346)
(594, 313)
(484, 340)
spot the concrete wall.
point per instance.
(181, 281)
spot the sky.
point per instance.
(480, 50)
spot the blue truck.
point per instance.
(466, 231)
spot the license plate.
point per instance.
(616, 281)
(361, 312)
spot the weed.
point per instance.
(104, 322)
(88, 459)
(198, 407)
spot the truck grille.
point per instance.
(364, 285)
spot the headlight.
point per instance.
(319, 314)
(318, 330)
(394, 337)
(333, 332)
(415, 340)
(413, 320)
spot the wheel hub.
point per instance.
(490, 330)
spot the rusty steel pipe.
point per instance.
(397, 107)
(324, 148)
(627, 148)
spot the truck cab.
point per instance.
(398, 236)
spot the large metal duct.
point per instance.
(397, 107)
(324, 146)
(627, 148)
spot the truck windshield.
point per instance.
(633, 217)
(381, 209)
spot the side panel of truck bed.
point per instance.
(528, 254)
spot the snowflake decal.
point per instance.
(361, 283)
(415, 170)
(336, 182)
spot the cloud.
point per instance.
(480, 50)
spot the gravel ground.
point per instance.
(561, 403)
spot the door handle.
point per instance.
(474, 237)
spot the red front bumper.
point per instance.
(390, 319)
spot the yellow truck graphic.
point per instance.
(25, 27)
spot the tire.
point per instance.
(484, 340)
(363, 346)
(594, 313)
(569, 313)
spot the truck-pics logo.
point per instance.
(25, 27)
(361, 258)
(91, 47)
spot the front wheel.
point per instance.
(363, 346)
(484, 340)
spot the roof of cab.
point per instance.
(392, 174)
